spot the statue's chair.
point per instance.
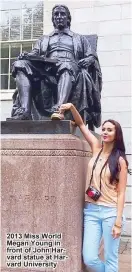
(93, 39)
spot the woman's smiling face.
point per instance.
(108, 132)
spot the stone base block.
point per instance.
(43, 184)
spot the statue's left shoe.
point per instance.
(57, 116)
(20, 116)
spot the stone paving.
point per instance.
(125, 264)
(125, 255)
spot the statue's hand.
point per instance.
(22, 55)
(86, 62)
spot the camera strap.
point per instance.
(102, 171)
(95, 166)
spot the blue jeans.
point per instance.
(98, 223)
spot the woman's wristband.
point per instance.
(118, 226)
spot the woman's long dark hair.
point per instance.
(118, 151)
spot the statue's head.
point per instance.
(61, 17)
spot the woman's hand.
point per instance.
(89, 136)
(65, 107)
(116, 232)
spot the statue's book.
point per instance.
(40, 58)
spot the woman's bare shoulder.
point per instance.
(122, 163)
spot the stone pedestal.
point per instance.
(42, 186)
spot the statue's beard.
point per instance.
(60, 25)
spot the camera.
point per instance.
(93, 193)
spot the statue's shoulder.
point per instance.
(77, 35)
(43, 37)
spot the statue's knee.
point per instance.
(67, 72)
(67, 76)
(19, 63)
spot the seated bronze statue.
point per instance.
(61, 68)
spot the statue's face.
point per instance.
(60, 17)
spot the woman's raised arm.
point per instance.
(90, 138)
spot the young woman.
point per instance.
(105, 193)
